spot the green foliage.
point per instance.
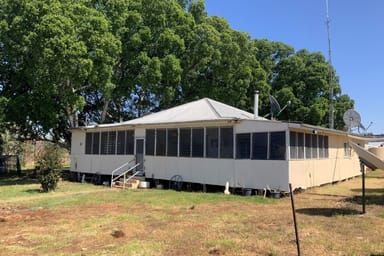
(53, 50)
(49, 180)
(64, 63)
(50, 163)
(9, 144)
(302, 79)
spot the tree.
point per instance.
(148, 70)
(270, 53)
(342, 103)
(220, 65)
(50, 163)
(170, 56)
(302, 79)
(52, 51)
(66, 62)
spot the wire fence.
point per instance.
(8, 164)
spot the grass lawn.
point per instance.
(83, 219)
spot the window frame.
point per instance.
(198, 143)
(172, 144)
(264, 146)
(130, 142)
(161, 142)
(182, 139)
(150, 142)
(212, 142)
(88, 143)
(275, 148)
(226, 143)
(245, 152)
(293, 145)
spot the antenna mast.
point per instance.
(330, 80)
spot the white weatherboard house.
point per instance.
(209, 142)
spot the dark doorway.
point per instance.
(140, 154)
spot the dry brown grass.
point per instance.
(155, 222)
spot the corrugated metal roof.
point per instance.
(197, 111)
(208, 110)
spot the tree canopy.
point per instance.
(65, 63)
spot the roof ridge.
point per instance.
(208, 100)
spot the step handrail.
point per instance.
(124, 174)
(122, 166)
(132, 176)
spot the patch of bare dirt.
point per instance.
(328, 225)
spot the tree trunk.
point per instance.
(105, 109)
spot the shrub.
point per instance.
(50, 163)
(49, 179)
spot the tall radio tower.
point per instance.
(330, 75)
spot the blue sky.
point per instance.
(357, 40)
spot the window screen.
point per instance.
(212, 142)
(150, 142)
(185, 142)
(198, 142)
(320, 139)
(111, 149)
(96, 143)
(129, 142)
(88, 143)
(104, 143)
(259, 145)
(308, 146)
(300, 145)
(120, 146)
(108, 143)
(314, 146)
(293, 145)
(326, 149)
(172, 142)
(277, 146)
(243, 146)
(226, 142)
(161, 142)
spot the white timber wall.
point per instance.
(102, 164)
(276, 174)
(239, 173)
(316, 172)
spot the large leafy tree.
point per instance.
(148, 69)
(170, 56)
(67, 62)
(301, 78)
(51, 52)
(220, 62)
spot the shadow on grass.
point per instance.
(325, 195)
(370, 190)
(33, 191)
(327, 212)
(14, 180)
(369, 200)
(374, 177)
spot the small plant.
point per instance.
(50, 163)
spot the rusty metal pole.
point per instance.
(362, 186)
(294, 220)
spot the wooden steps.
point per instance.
(129, 184)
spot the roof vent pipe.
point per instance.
(256, 105)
